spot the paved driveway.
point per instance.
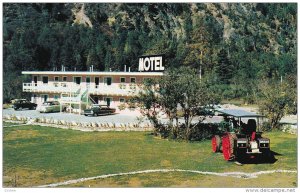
(116, 118)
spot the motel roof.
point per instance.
(238, 113)
(111, 73)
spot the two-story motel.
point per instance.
(79, 89)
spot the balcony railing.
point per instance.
(54, 87)
(119, 89)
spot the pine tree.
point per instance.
(224, 67)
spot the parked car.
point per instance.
(49, 107)
(23, 104)
(99, 110)
(208, 110)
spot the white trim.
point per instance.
(95, 73)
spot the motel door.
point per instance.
(77, 80)
(96, 99)
(107, 81)
(35, 80)
(44, 97)
(108, 101)
(97, 82)
(88, 81)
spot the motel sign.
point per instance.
(152, 63)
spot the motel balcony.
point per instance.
(116, 89)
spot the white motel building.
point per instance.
(80, 89)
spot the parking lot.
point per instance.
(115, 118)
(123, 117)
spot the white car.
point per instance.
(49, 107)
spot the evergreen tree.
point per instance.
(224, 68)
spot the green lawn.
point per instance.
(42, 155)
(5, 124)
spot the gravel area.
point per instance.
(125, 117)
(116, 118)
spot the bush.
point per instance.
(204, 131)
(199, 132)
(266, 126)
(6, 106)
(122, 107)
(162, 130)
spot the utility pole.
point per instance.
(200, 72)
(201, 56)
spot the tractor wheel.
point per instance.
(216, 143)
(228, 146)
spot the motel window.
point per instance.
(44, 97)
(108, 100)
(45, 79)
(55, 97)
(107, 80)
(65, 79)
(77, 80)
(122, 79)
(132, 80)
(122, 100)
(56, 78)
(88, 80)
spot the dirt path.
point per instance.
(229, 174)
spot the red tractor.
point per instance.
(238, 140)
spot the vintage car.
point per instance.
(241, 141)
(49, 107)
(24, 104)
(99, 110)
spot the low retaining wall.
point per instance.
(82, 126)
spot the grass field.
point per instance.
(35, 155)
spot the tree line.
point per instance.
(235, 44)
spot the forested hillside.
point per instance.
(235, 44)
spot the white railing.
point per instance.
(115, 89)
(121, 89)
(56, 87)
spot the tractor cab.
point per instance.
(239, 135)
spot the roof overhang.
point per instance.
(93, 73)
(238, 113)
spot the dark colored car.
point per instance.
(208, 110)
(24, 104)
(99, 110)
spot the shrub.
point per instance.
(122, 107)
